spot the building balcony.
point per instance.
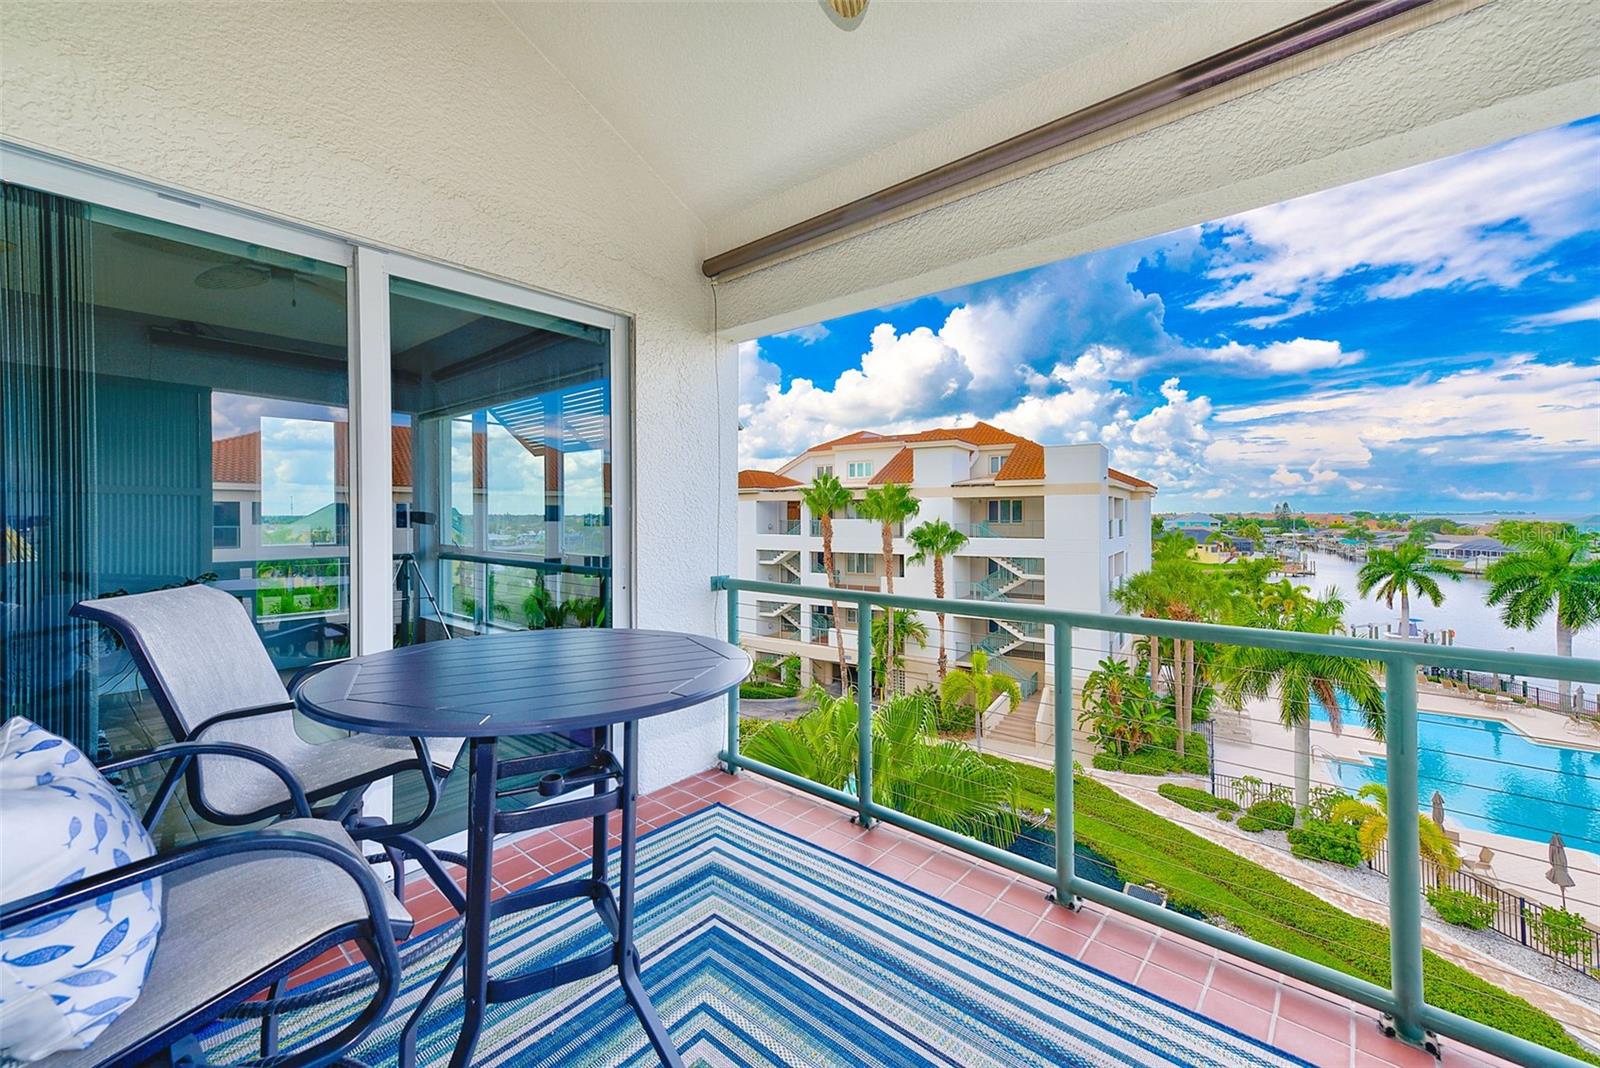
(1027, 528)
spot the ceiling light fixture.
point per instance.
(845, 14)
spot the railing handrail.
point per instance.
(1578, 669)
(502, 560)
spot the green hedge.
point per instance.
(1267, 816)
(1161, 757)
(1322, 840)
(766, 691)
(1461, 908)
(1197, 800)
(1210, 879)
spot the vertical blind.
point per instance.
(49, 557)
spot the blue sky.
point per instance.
(1424, 340)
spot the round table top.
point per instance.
(525, 683)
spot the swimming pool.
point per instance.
(1494, 778)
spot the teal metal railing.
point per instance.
(1403, 1003)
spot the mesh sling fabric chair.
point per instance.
(212, 679)
(230, 931)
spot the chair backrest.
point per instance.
(197, 650)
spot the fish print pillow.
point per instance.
(64, 979)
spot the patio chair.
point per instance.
(229, 928)
(213, 681)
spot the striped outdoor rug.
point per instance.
(761, 949)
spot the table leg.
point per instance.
(628, 964)
(480, 880)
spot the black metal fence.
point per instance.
(1577, 703)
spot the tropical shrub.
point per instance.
(1321, 840)
(1563, 934)
(1196, 800)
(1461, 908)
(1267, 816)
(1120, 713)
(1368, 812)
(913, 771)
(1160, 756)
(757, 690)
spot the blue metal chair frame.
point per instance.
(396, 839)
(375, 936)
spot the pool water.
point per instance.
(1494, 778)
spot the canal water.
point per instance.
(1465, 610)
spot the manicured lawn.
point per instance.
(1212, 880)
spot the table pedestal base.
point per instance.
(613, 788)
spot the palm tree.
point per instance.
(1119, 709)
(978, 686)
(937, 539)
(825, 496)
(1246, 672)
(889, 504)
(906, 628)
(1549, 571)
(1175, 587)
(1401, 571)
(913, 772)
(1369, 811)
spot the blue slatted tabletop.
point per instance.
(543, 680)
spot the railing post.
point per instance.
(1405, 855)
(733, 694)
(1065, 839)
(864, 709)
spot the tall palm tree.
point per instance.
(1245, 672)
(825, 496)
(907, 628)
(1175, 587)
(1549, 571)
(889, 504)
(1401, 571)
(1369, 811)
(937, 539)
(978, 686)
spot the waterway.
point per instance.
(1465, 610)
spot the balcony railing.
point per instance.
(1026, 528)
(1403, 1001)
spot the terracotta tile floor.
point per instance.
(1320, 1027)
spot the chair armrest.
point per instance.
(270, 840)
(185, 751)
(241, 713)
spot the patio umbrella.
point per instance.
(1559, 873)
(1438, 809)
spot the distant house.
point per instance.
(1467, 547)
(1197, 524)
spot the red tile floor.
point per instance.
(1320, 1027)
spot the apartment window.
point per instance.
(858, 563)
(859, 469)
(1005, 511)
(824, 469)
(996, 462)
(225, 524)
(1116, 517)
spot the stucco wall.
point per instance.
(438, 129)
(1504, 68)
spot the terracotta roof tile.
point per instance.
(1026, 463)
(898, 469)
(1129, 480)
(765, 480)
(979, 434)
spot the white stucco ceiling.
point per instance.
(735, 103)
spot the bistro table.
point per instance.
(578, 683)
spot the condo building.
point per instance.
(1049, 525)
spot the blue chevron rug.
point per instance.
(762, 949)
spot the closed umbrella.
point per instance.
(1559, 873)
(1438, 809)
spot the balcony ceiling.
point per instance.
(732, 104)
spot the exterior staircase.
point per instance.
(787, 561)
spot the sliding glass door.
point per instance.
(363, 448)
(175, 413)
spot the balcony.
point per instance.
(1119, 815)
(1026, 528)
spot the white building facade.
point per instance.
(1050, 526)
